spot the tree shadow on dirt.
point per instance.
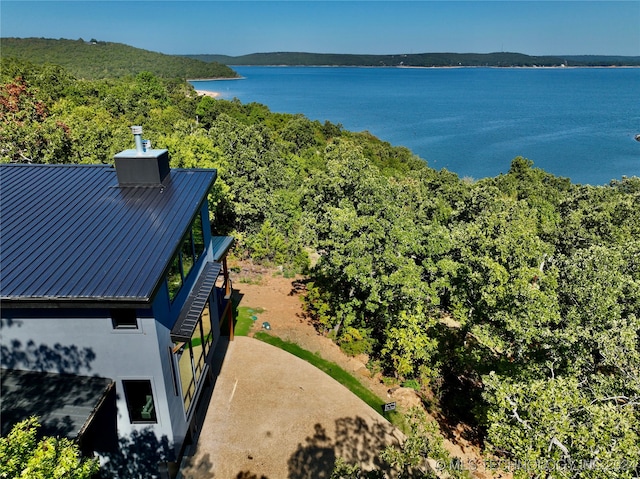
(458, 393)
(355, 440)
(315, 458)
(249, 475)
(200, 470)
(298, 286)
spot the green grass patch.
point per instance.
(413, 384)
(336, 372)
(244, 320)
(250, 279)
(197, 341)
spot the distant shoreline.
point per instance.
(438, 60)
(217, 78)
(445, 67)
(215, 94)
(212, 94)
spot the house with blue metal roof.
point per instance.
(111, 273)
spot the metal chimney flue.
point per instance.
(142, 166)
(137, 136)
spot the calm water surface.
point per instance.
(578, 123)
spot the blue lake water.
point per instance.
(579, 123)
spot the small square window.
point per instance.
(124, 319)
(139, 397)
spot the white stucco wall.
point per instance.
(90, 346)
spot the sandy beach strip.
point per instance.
(212, 94)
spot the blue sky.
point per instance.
(383, 27)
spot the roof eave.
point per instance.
(65, 303)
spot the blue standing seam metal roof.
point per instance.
(70, 233)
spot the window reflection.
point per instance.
(186, 254)
(207, 332)
(198, 236)
(192, 357)
(139, 397)
(191, 249)
(174, 278)
(187, 375)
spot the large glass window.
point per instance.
(187, 375)
(191, 248)
(207, 333)
(174, 277)
(186, 254)
(139, 397)
(197, 349)
(198, 236)
(192, 357)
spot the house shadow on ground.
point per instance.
(141, 454)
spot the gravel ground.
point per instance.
(275, 416)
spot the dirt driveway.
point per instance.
(273, 416)
(280, 298)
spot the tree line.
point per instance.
(497, 59)
(93, 59)
(512, 301)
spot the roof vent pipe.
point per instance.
(137, 135)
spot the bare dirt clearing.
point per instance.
(280, 300)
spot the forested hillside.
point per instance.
(512, 302)
(499, 59)
(94, 59)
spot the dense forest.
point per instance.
(499, 59)
(93, 59)
(511, 302)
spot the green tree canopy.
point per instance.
(23, 455)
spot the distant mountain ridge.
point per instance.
(501, 59)
(94, 59)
